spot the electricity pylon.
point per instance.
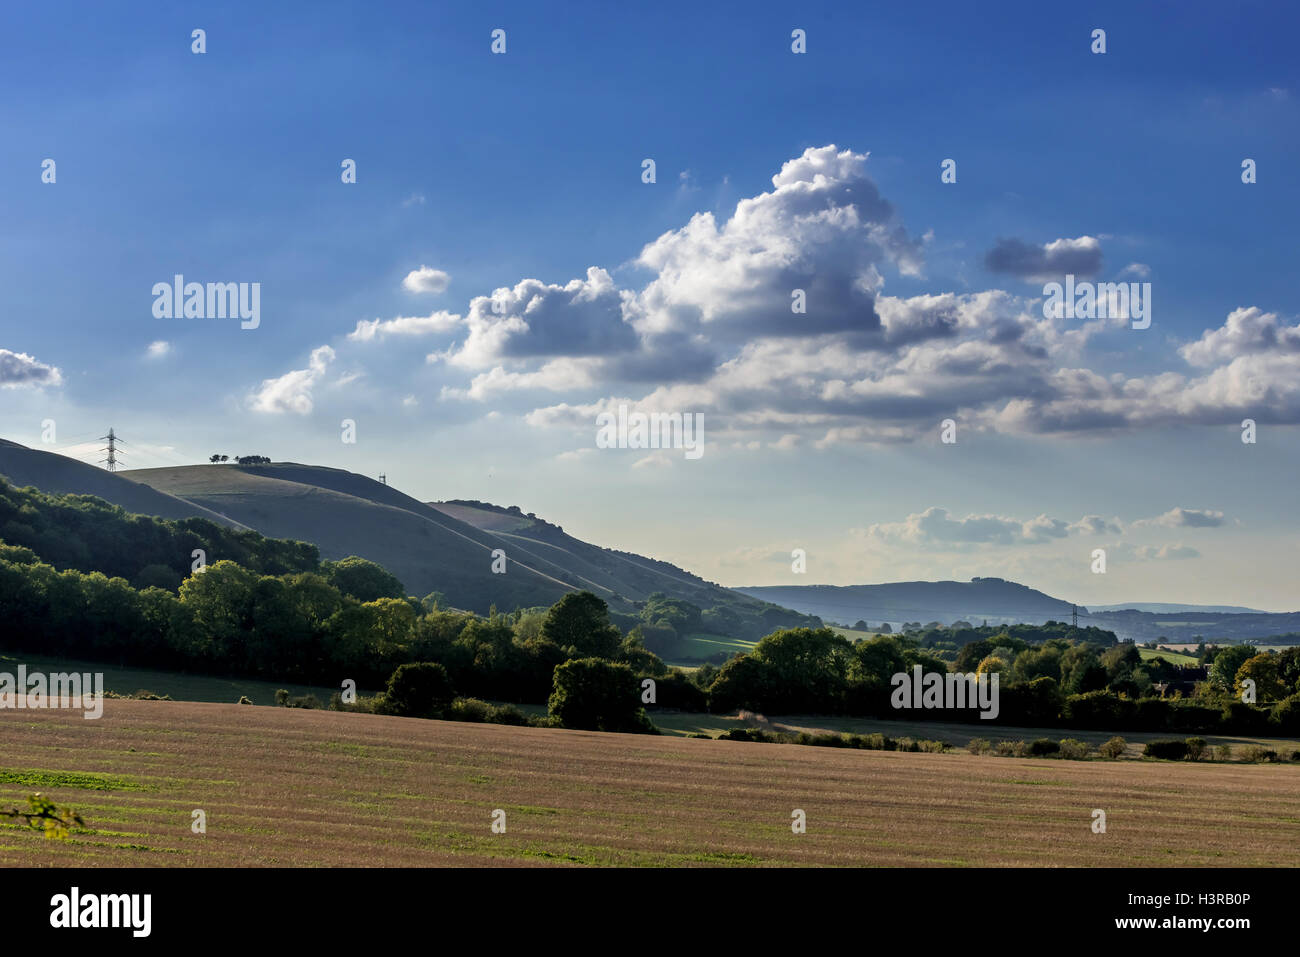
(112, 450)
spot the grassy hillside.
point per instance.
(442, 547)
(346, 514)
(615, 574)
(1173, 657)
(632, 576)
(447, 547)
(310, 788)
(60, 475)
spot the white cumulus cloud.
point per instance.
(426, 279)
(292, 392)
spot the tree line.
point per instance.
(1068, 682)
(81, 578)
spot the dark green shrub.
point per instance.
(1286, 715)
(598, 695)
(1152, 714)
(469, 709)
(676, 690)
(506, 714)
(1189, 716)
(744, 734)
(1043, 747)
(362, 705)
(1242, 718)
(1100, 710)
(419, 690)
(1166, 750)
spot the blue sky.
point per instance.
(521, 172)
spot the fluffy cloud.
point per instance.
(1247, 332)
(1185, 518)
(823, 229)
(1097, 525)
(426, 279)
(1080, 257)
(157, 349)
(369, 329)
(936, 527)
(18, 369)
(584, 317)
(711, 329)
(292, 392)
(554, 376)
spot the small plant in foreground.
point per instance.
(42, 814)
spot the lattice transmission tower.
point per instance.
(112, 450)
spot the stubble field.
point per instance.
(318, 788)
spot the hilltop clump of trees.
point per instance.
(240, 459)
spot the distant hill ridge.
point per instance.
(1169, 608)
(994, 599)
(1003, 602)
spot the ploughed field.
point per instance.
(303, 788)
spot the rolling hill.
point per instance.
(600, 569)
(60, 475)
(993, 599)
(1170, 608)
(1002, 602)
(443, 547)
(347, 514)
